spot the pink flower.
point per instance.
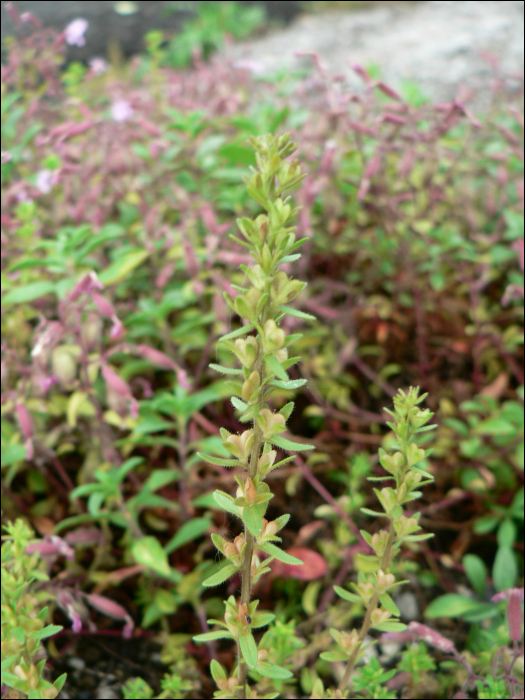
(116, 330)
(121, 110)
(6, 157)
(98, 65)
(116, 383)
(255, 67)
(52, 547)
(431, 637)
(514, 613)
(85, 286)
(103, 305)
(24, 420)
(74, 32)
(156, 357)
(45, 180)
(518, 246)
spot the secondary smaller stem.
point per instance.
(385, 562)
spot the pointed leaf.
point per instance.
(290, 258)
(217, 671)
(289, 444)
(149, 552)
(297, 313)
(225, 370)
(262, 619)
(346, 595)
(188, 532)
(275, 366)
(122, 267)
(336, 655)
(388, 604)
(210, 636)
(270, 548)
(275, 672)
(252, 517)
(290, 385)
(248, 648)
(225, 501)
(219, 461)
(238, 404)
(46, 632)
(390, 626)
(220, 576)
(236, 334)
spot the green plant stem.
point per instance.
(385, 563)
(249, 538)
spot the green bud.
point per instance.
(414, 454)
(246, 305)
(274, 337)
(63, 365)
(419, 418)
(247, 350)
(250, 385)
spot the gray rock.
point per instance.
(437, 44)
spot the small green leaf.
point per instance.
(275, 367)
(297, 313)
(336, 655)
(270, 548)
(238, 404)
(217, 671)
(290, 385)
(450, 605)
(225, 370)
(275, 672)
(252, 517)
(29, 292)
(388, 626)
(149, 552)
(221, 575)
(226, 502)
(46, 632)
(122, 267)
(236, 334)
(248, 647)
(346, 595)
(210, 636)
(505, 569)
(262, 619)
(506, 533)
(495, 426)
(188, 532)
(476, 572)
(483, 611)
(289, 444)
(388, 604)
(219, 461)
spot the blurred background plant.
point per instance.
(120, 185)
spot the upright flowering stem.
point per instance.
(264, 360)
(406, 470)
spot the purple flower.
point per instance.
(75, 31)
(121, 110)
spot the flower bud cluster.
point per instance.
(264, 360)
(405, 468)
